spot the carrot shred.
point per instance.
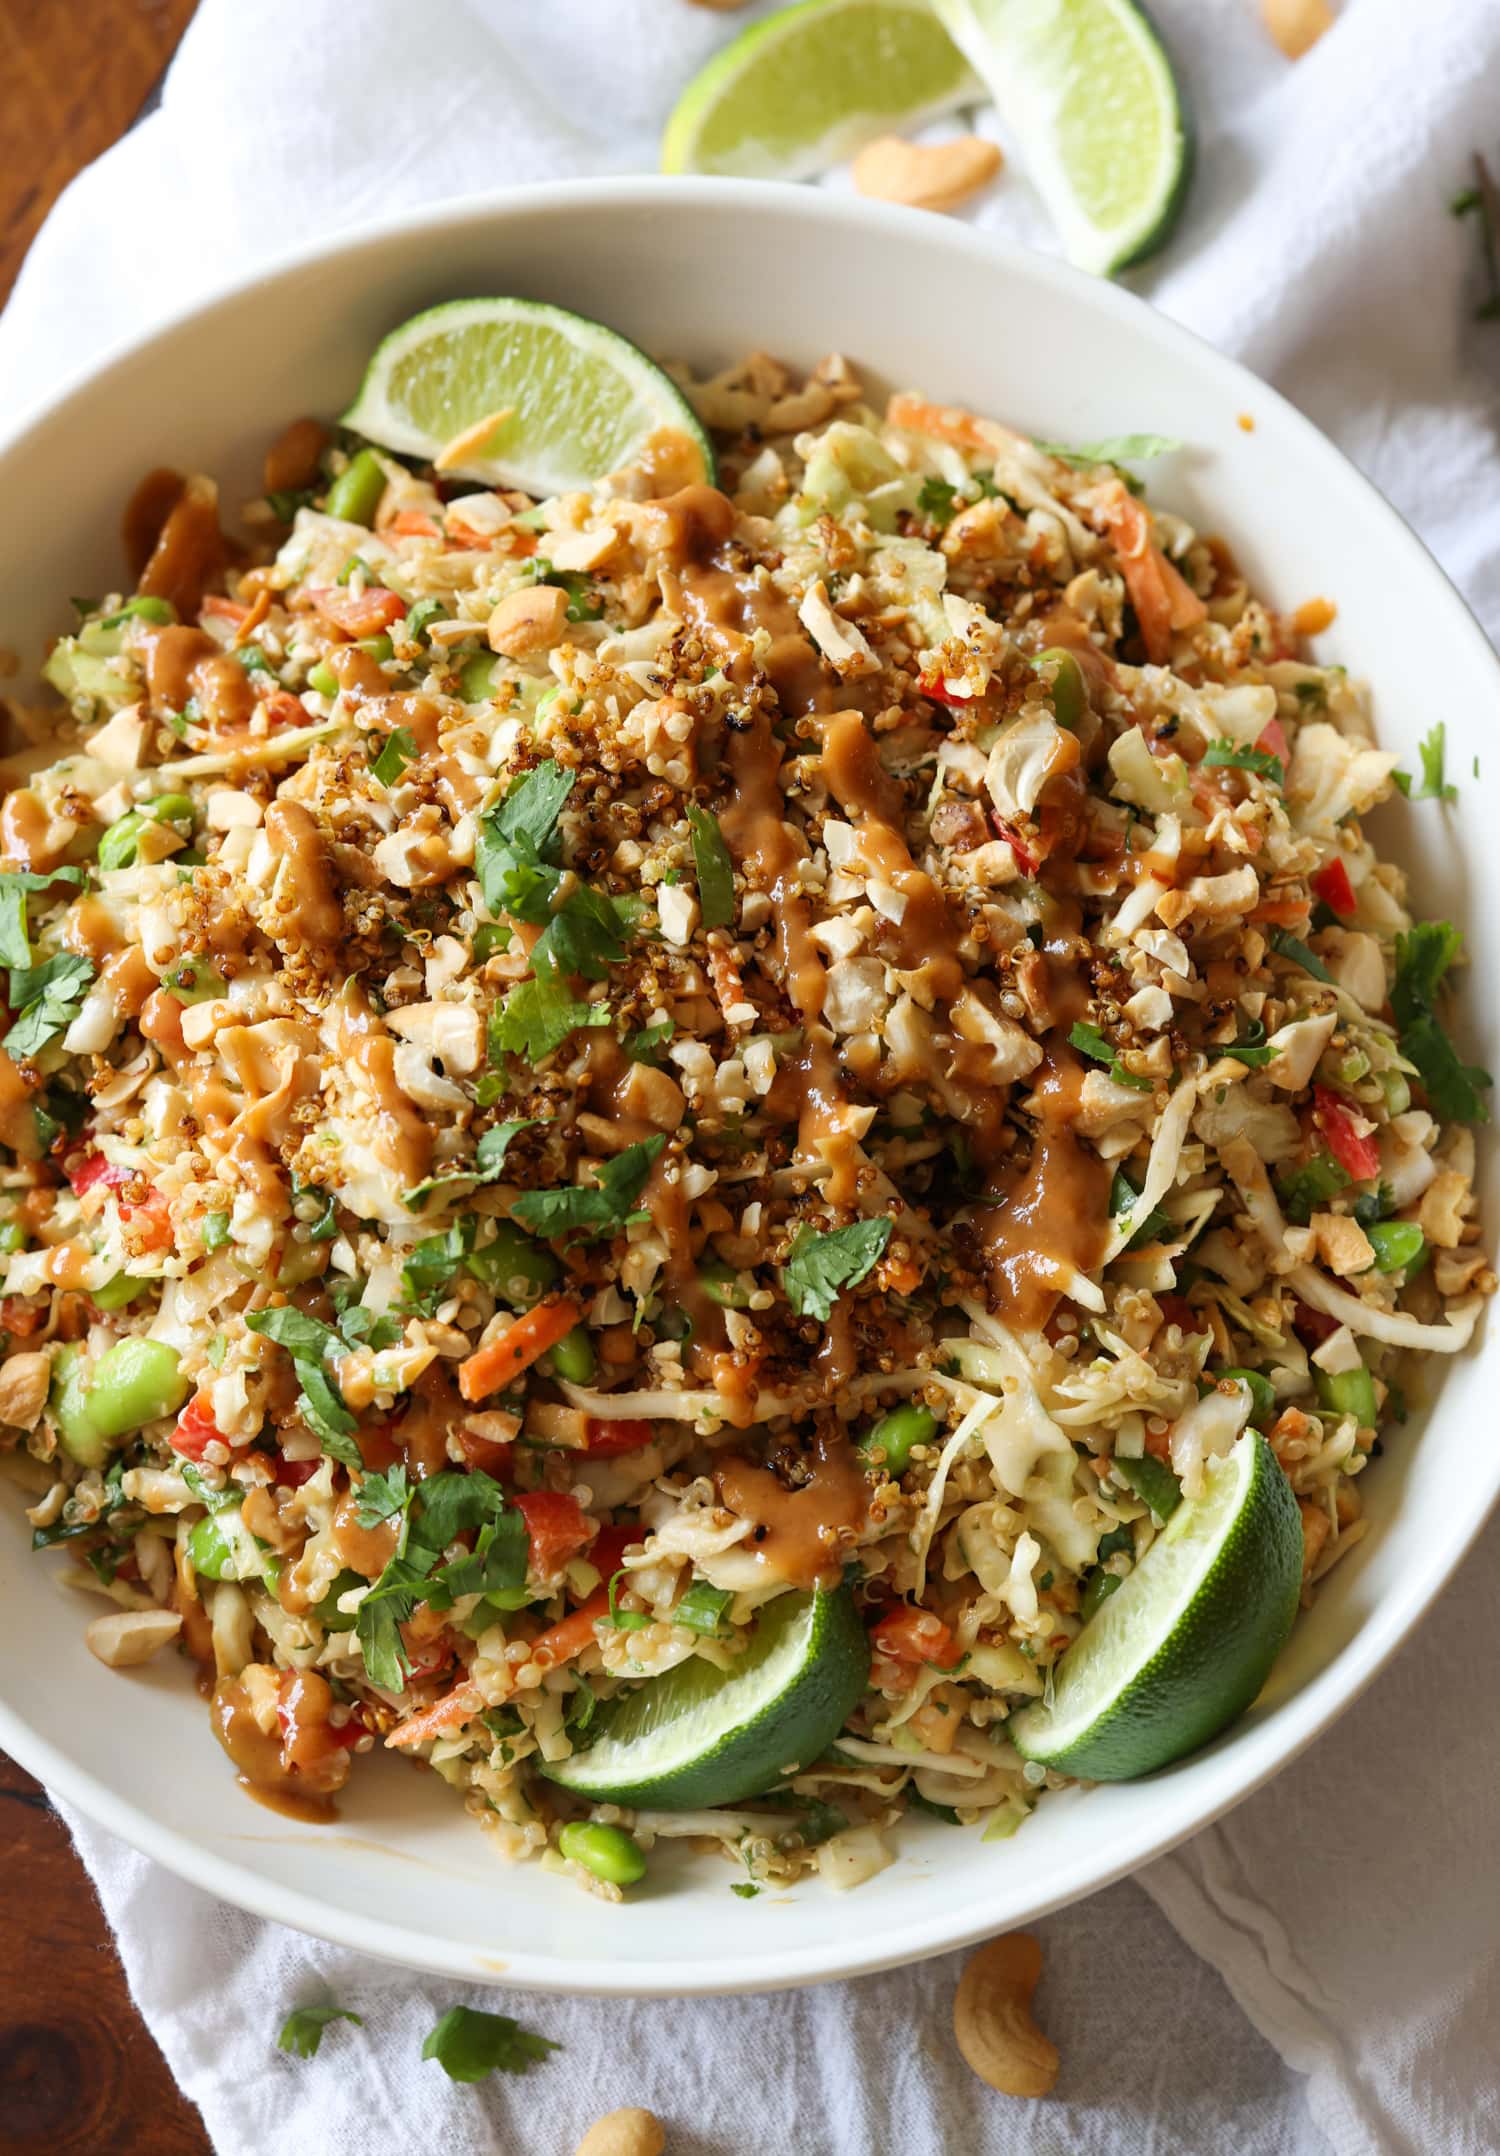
(455, 1708)
(491, 1367)
(1164, 602)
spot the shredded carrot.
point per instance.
(413, 524)
(566, 1640)
(455, 1708)
(260, 607)
(946, 423)
(221, 609)
(492, 1367)
(1280, 913)
(1162, 600)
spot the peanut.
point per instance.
(528, 621)
(631, 2132)
(23, 1388)
(1296, 25)
(992, 2019)
(925, 176)
(127, 1637)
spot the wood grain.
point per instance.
(79, 2075)
(73, 75)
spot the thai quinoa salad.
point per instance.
(714, 1078)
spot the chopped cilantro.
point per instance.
(745, 1889)
(489, 1163)
(468, 2044)
(1252, 1048)
(48, 998)
(1229, 756)
(1310, 1186)
(714, 868)
(431, 1264)
(1423, 956)
(624, 1620)
(597, 1209)
(584, 931)
(399, 750)
(302, 2031)
(1153, 1483)
(936, 502)
(642, 1047)
(15, 883)
(536, 1018)
(1434, 786)
(820, 1265)
(383, 1497)
(308, 1341)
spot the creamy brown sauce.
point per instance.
(27, 836)
(291, 462)
(295, 1771)
(183, 662)
(403, 1140)
(800, 1535)
(366, 1550)
(433, 1407)
(189, 551)
(315, 918)
(1051, 1214)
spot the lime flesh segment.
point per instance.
(804, 88)
(1188, 1640)
(702, 1735)
(1087, 91)
(579, 401)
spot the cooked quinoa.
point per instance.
(614, 1058)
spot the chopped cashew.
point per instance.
(992, 2018)
(128, 1637)
(24, 1380)
(1445, 1201)
(925, 175)
(631, 2132)
(1295, 25)
(528, 621)
(1342, 1243)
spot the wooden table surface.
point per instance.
(79, 2076)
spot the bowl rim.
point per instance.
(1237, 1764)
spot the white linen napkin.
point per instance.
(1351, 1909)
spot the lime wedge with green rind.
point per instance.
(703, 1735)
(573, 401)
(804, 88)
(1088, 94)
(1190, 1637)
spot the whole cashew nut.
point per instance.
(925, 175)
(631, 2132)
(992, 2017)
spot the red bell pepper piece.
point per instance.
(915, 1635)
(1354, 1149)
(1332, 885)
(196, 1429)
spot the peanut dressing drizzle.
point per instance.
(1054, 1212)
(403, 1141)
(800, 1534)
(296, 1771)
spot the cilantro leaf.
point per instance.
(1117, 449)
(1089, 1041)
(820, 1265)
(1228, 756)
(536, 1018)
(452, 1502)
(383, 1497)
(302, 2031)
(431, 1264)
(1153, 1482)
(1310, 1186)
(47, 998)
(15, 883)
(935, 500)
(362, 1327)
(303, 1337)
(593, 1210)
(1252, 1048)
(489, 1161)
(468, 2044)
(713, 867)
(1292, 947)
(399, 750)
(379, 1618)
(496, 1563)
(642, 1047)
(1434, 786)
(520, 833)
(587, 933)
(1423, 956)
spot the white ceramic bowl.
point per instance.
(708, 270)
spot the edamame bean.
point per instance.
(116, 1293)
(1064, 675)
(379, 647)
(514, 1267)
(144, 606)
(608, 1852)
(1348, 1392)
(722, 1284)
(355, 494)
(889, 1441)
(476, 677)
(1399, 1245)
(67, 1404)
(212, 1551)
(1262, 1395)
(194, 980)
(133, 1383)
(573, 1357)
(418, 623)
(323, 678)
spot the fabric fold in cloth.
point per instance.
(1349, 1909)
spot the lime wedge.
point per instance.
(1188, 1640)
(702, 1735)
(1088, 93)
(570, 400)
(805, 87)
